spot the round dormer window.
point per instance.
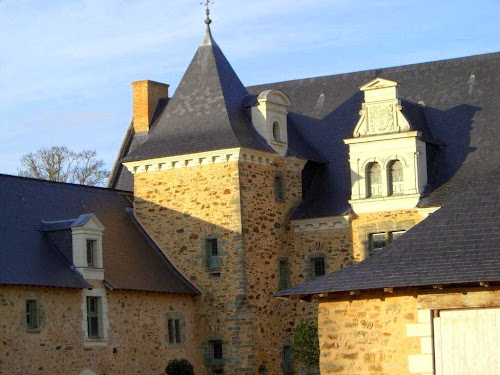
(276, 131)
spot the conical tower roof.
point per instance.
(206, 112)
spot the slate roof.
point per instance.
(458, 244)
(35, 237)
(459, 114)
(454, 103)
(206, 112)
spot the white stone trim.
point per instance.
(200, 159)
(321, 223)
(295, 164)
(426, 211)
(422, 363)
(389, 203)
(101, 293)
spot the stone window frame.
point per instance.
(308, 264)
(288, 279)
(389, 237)
(36, 303)
(205, 240)
(179, 316)
(102, 340)
(32, 296)
(279, 186)
(217, 367)
(287, 368)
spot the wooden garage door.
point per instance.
(467, 342)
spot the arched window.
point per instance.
(276, 131)
(395, 172)
(373, 180)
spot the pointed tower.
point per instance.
(215, 190)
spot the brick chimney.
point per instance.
(145, 96)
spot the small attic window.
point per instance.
(276, 131)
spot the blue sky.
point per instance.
(66, 65)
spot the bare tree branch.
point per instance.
(58, 163)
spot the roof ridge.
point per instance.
(480, 55)
(72, 184)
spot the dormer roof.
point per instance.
(206, 112)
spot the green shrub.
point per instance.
(305, 344)
(179, 367)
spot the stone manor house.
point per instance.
(221, 196)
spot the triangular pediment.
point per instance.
(378, 83)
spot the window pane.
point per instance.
(213, 253)
(93, 317)
(177, 331)
(377, 241)
(170, 331)
(284, 275)
(318, 267)
(279, 188)
(216, 350)
(93, 327)
(396, 178)
(373, 180)
(90, 252)
(287, 358)
(395, 235)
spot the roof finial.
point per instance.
(208, 21)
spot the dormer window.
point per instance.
(269, 117)
(396, 183)
(276, 131)
(373, 180)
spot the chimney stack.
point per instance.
(145, 96)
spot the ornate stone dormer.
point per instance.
(387, 158)
(269, 118)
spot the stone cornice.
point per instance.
(200, 159)
(321, 223)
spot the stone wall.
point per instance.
(181, 209)
(366, 334)
(389, 333)
(268, 238)
(137, 335)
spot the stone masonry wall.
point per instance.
(181, 209)
(387, 221)
(367, 334)
(137, 335)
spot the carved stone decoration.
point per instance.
(381, 118)
(381, 110)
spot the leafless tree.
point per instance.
(58, 163)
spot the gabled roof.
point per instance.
(206, 112)
(35, 236)
(458, 244)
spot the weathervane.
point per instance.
(208, 21)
